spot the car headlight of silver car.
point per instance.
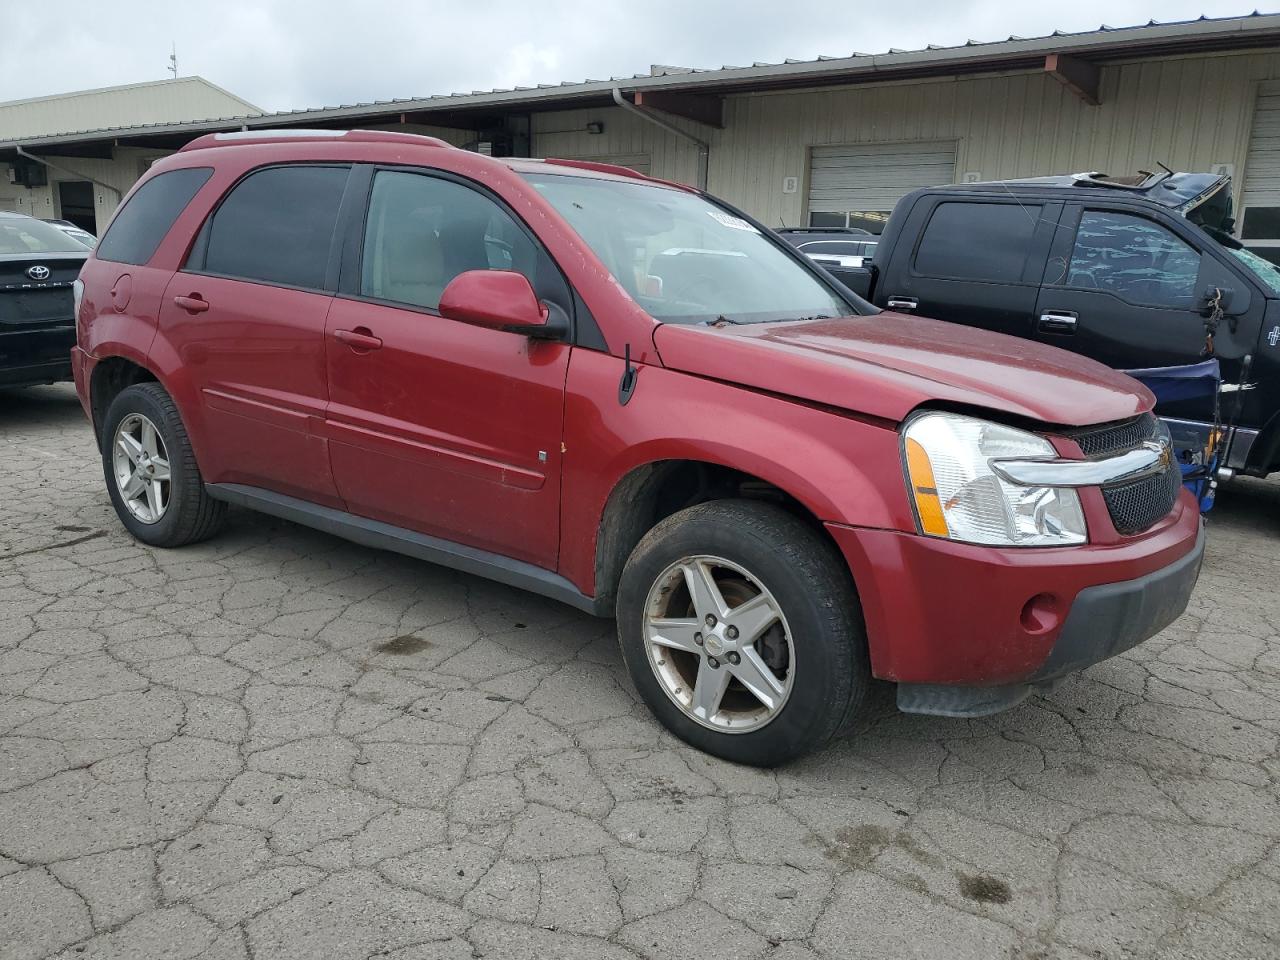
(958, 495)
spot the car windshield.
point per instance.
(684, 259)
(23, 235)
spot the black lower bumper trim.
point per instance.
(1104, 620)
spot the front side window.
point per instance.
(276, 226)
(684, 259)
(136, 232)
(423, 231)
(986, 242)
(1134, 259)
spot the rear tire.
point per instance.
(741, 629)
(151, 472)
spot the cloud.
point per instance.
(284, 54)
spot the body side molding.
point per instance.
(385, 536)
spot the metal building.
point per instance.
(837, 140)
(72, 193)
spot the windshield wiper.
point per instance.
(721, 320)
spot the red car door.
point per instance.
(442, 427)
(246, 316)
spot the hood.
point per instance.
(887, 365)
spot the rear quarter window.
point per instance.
(978, 241)
(136, 232)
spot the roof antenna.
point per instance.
(173, 61)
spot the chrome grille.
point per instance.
(1136, 506)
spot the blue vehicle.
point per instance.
(1199, 447)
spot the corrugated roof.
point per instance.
(1106, 42)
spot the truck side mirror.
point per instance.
(1217, 298)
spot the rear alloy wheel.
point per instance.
(141, 465)
(151, 472)
(742, 631)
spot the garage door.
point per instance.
(857, 186)
(1260, 203)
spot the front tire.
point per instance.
(741, 629)
(151, 470)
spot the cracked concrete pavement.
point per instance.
(281, 745)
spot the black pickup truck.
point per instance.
(1127, 271)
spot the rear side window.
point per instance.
(136, 231)
(978, 241)
(276, 226)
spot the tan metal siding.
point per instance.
(188, 98)
(1189, 112)
(564, 134)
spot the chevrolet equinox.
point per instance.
(626, 395)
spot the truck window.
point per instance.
(1133, 258)
(978, 241)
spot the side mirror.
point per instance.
(1217, 296)
(501, 299)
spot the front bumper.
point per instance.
(966, 629)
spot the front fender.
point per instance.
(842, 469)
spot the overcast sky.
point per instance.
(284, 54)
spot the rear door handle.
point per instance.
(903, 303)
(1055, 321)
(192, 304)
(361, 339)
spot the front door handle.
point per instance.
(903, 303)
(360, 340)
(192, 304)
(1057, 321)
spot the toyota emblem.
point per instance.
(38, 272)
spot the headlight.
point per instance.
(958, 496)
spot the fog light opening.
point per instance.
(1040, 614)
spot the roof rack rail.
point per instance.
(618, 171)
(293, 134)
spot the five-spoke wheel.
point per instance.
(141, 465)
(719, 644)
(742, 631)
(151, 470)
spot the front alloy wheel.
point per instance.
(718, 644)
(741, 629)
(141, 465)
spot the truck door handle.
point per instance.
(361, 339)
(1054, 321)
(192, 304)
(903, 303)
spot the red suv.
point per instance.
(626, 395)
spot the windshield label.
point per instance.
(729, 220)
